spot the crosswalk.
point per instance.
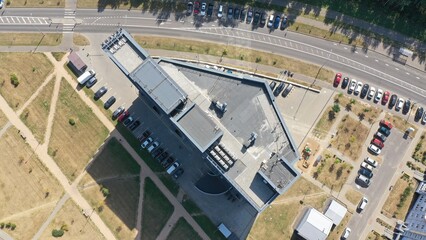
(15, 20)
(69, 13)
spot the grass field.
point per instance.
(401, 123)
(350, 137)
(419, 153)
(146, 5)
(331, 171)
(183, 230)
(36, 114)
(353, 196)
(36, 3)
(300, 188)
(80, 40)
(79, 227)
(72, 146)
(58, 55)
(325, 123)
(25, 183)
(30, 69)
(234, 52)
(278, 221)
(30, 39)
(3, 119)
(156, 210)
(337, 231)
(362, 110)
(373, 235)
(397, 204)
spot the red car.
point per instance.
(337, 79)
(123, 116)
(385, 98)
(196, 7)
(378, 143)
(387, 124)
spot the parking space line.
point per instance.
(7, 19)
(1, 19)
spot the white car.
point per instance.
(371, 93)
(1, 4)
(352, 86)
(153, 146)
(370, 161)
(147, 142)
(424, 118)
(379, 95)
(399, 104)
(270, 21)
(362, 204)
(367, 166)
(220, 11)
(374, 149)
(203, 9)
(358, 88)
(346, 233)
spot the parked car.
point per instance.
(337, 79)
(196, 7)
(91, 82)
(163, 156)
(263, 18)
(134, 125)
(358, 88)
(362, 204)
(287, 90)
(220, 11)
(203, 9)
(270, 21)
(242, 15)
(406, 107)
(385, 131)
(379, 95)
(230, 13)
(393, 100)
(101, 91)
(279, 89)
(380, 136)
(1, 4)
(284, 22)
(346, 233)
(169, 161)
(178, 173)
(272, 85)
(144, 136)
(345, 82)
(153, 146)
(424, 118)
(210, 10)
(147, 142)
(364, 90)
(370, 161)
(378, 143)
(374, 149)
(256, 18)
(399, 104)
(386, 124)
(419, 114)
(352, 86)
(277, 22)
(385, 98)
(371, 93)
(128, 121)
(236, 13)
(157, 152)
(109, 102)
(366, 172)
(123, 116)
(189, 8)
(249, 16)
(363, 179)
(367, 166)
(117, 112)
(173, 167)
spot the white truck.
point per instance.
(86, 76)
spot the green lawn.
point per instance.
(182, 230)
(156, 211)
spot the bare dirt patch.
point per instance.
(373, 235)
(332, 171)
(79, 227)
(398, 202)
(324, 124)
(350, 137)
(3, 119)
(401, 123)
(72, 146)
(80, 40)
(300, 188)
(30, 70)
(364, 111)
(337, 231)
(36, 114)
(353, 196)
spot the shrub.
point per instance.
(105, 191)
(12, 226)
(57, 233)
(14, 80)
(258, 59)
(71, 122)
(1, 225)
(8, 225)
(336, 108)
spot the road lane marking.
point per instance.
(387, 65)
(376, 60)
(397, 69)
(407, 73)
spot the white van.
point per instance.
(86, 76)
(364, 179)
(173, 168)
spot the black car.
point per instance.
(127, 121)
(178, 173)
(189, 8)
(230, 12)
(364, 90)
(366, 172)
(109, 102)
(163, 156)
(279, 89)
(100, 92)
(406, 107)
(236, 13)
(166, 163)
(345, 82)
(157, 152)
(134, 125)
(249, 16)
(242, 15)
(256, 18)
(419, 114)
(393, 100)
(272, 85)
(263, 20)
(284, 22)
(287, 90)
(117, 112)
(144, 136)
(91, 82)
(210, 10)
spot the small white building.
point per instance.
(336, 212)
(314, 225)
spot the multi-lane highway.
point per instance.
(371, 67)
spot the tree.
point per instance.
(336, 108)
(14, 80)
(331, 116)
(105, 191)
(348, 107)
(57, 233)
